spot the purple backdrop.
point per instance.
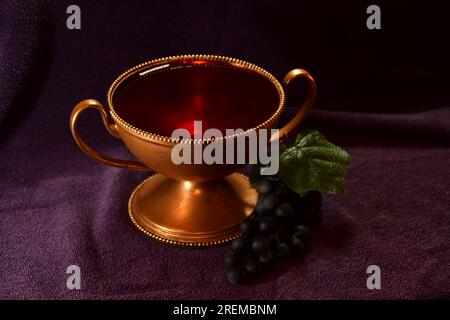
(382, 96)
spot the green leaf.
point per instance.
(314, 163)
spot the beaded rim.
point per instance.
(168, 140)
(169, 241)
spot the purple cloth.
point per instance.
(59, 207)
(24, 33)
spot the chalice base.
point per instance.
(192, 213)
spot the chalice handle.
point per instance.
(110, 127)
(304, 109)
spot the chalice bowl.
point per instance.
(192, 204)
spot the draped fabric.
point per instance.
(384, 95)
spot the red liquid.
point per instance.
(223, 98)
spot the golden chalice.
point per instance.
(190, 204)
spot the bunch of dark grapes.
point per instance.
(278, 228)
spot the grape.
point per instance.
(283, 191)
(267, 225)
(234, 275)
(247, 227)
(285, 211)
(266, 257)
(282, 250)
(251, 266)
(301, 231)
(231, 259)
(278, 228)
(260, 208)
(238, 245)
(270, 201)
(298, 245)
(266, 186)
(274, 179)
(284, 232)
(287, 195)
(260, 244)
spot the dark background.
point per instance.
(383, 94)
(402, 68)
